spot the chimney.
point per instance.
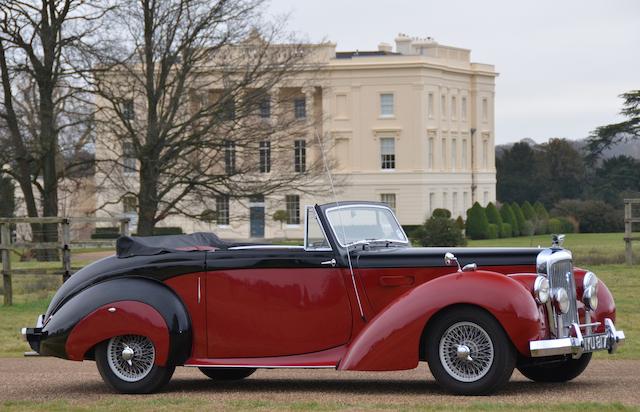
(385, 47)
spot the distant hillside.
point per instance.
(631, 148)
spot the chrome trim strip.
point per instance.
(199, 365)
(199, 294)
(250, 247)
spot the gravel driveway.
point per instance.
(604, 381)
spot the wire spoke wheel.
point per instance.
(130, 357)
(466, 351)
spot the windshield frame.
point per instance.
(364, 241)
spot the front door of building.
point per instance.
(256, 216)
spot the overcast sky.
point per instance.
(562, 63)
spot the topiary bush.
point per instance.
(541, 211)
(519, 219)
(477, 224)
(527, 210)
(493, 216)
(506, 212)
(492, 231)
(439, 212)
(568, 226)
(505, 230)
(439, 231)
(527, 228)
(460, 223)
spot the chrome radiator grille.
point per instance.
(561, 276)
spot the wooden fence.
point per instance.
(65, 244)
(629, 220)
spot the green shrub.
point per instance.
(541, 226)
(409, 230)
(555, 225)
(493, 216)
(567, 225)
(506, 212)
(528, 228)
(540, 210)
(439, 231)
(441, 213)
(592, 216)
(460, 223)
(527, 210)
(519, 218)
(506, 230)
(106, 233)
(477, 224)
(492, 231)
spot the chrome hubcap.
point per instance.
(466, 351)
(130, 357)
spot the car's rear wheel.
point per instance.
(468, 352)
(126, 363)
(561, 371)
(227, 374)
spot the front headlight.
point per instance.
(561, 300)
(590, 291)
(541, 289)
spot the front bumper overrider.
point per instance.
(34, 336)
(575, 345)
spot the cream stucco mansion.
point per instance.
(411, 126)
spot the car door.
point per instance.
(275, 302)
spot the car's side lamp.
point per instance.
(451, 260)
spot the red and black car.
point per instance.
(356, 296)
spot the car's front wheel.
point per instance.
(126, 363)
(227, 374)
(468, 352)
(561, 371)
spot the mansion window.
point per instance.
(443, 105)
(129, 204)
(128, 158)
(389, 199)
(454, 154)
(265, 108)
(463, 109)
(485, 109)
(128, 112)
(292, 203)
(300, 156)
(222, 208)
(454, 107)
(430, 154)
(265, 156)
(387, 153)
(464, 153)
(386, 105)
(430, 106)
(229, 157)
(300, 107)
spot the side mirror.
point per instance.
(451, 260)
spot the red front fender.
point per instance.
(115, 319)
(391, 340)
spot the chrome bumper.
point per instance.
(33, 336)
(576, 345)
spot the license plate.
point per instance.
(595, 342)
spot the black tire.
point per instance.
(227, 374)
(561, 371)
(150, 381)
(491, 374)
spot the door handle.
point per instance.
(331, 263)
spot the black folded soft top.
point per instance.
(128, 246)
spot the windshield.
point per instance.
(364, 223)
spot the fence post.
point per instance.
(627, 232)
(5, 237)
(124, 227)
(66, 251)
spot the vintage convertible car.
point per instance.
(356, 296)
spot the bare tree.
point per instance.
(37, 71)
(195, 100)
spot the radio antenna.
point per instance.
(344, 233)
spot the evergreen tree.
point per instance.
(540, 210)
(506, 212)
(527, 210)
(520, 220)
(493, 215)
(477, 225)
